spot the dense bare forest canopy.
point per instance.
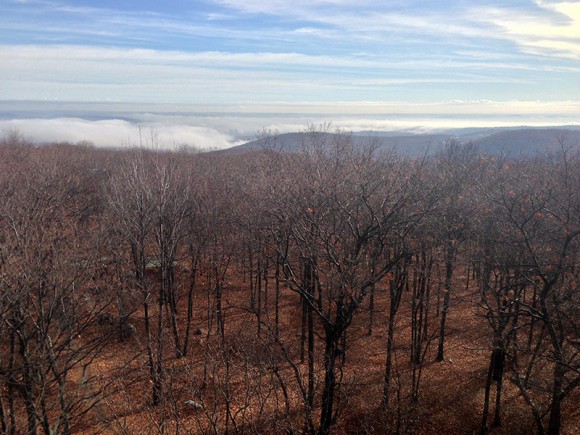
(334, 289)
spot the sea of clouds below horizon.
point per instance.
(214, 128)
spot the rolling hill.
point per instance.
(510, 142)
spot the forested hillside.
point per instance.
(511, 142)
(330, 290)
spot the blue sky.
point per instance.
(502, 57)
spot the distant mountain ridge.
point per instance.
(511, 142)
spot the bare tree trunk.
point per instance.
(28, 388)
(259, 296)
(417, 309)
(156, 393)
(309, 283)
(327, 405)
(169, 289)
(389, 361)
(483, 428)
(277, 302)
(266, 308)
(3, 424)
(449, 263)
(556, 406)
(192, 279)
(158, 383)
(11, 382)
(497, 413)
(396, 290)
(218, 309)
(303, 330)
(427, 298)
(371, 310)
(251, 276)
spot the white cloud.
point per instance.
(555, 32)
(66, 72)
(138, 56)
(117, 133)
(301, 8)
(551, 28)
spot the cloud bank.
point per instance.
(211, 127)
(118, 133)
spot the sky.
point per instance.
(218, 69)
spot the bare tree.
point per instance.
(536, 207)
(348, 212)
(47, 260)
(454, 163)
(131, 205)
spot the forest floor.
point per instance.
(450, 397)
